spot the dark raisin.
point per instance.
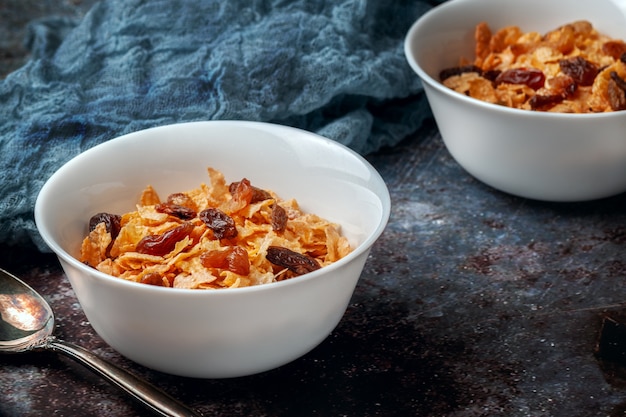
(176, 210)
(232, 258)
(582, 71)
(296, 262)
(618, 80)
(491, 75)
(278, 218)
(164, 243)
(222, 225)
(254, 194)
(617, 95)
(561, 87)
(112, 222)
(450, 72)
(543, 102)
(531, 77)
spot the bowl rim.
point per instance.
(410, 43)
(383, 196)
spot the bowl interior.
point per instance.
(446, 33)
(325, 177)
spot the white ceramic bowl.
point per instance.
(545, 156)
(220, 333)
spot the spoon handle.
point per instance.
(147, 394)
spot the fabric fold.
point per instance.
(333, 67)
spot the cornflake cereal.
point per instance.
(217, 236)
(572, 69)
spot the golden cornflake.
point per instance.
(572, 69)
(214, 236)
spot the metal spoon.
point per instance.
(26, 324)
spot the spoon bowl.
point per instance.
(26, 324)
(27, 320)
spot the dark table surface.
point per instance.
(472, 303)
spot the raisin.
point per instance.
(152, 278)
(617, 96)
(531, 77)
(296, 262)
(561, 87)
(164, 243)
(542, 102)
(176, 210)
(182, 199)
(233, 258)
(251, 193)
(582, 71)
(564, 85)
(242, 192)
(222, 225)
(563, 39)
(491, 75)
(617, 92)
(112, 222)
(614, 48)
(450, 72)
(618, 80)
(278, 218)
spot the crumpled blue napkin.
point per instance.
(334, 67)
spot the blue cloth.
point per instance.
(333, 67)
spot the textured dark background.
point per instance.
(14, 18)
